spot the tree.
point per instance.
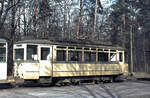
(8, 26)
(132, 16)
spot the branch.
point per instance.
(100, 4)
(6, 12)
(2, 8)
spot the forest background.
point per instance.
(117, 21)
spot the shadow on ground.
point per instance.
(144, 79)
(6, 86)
(33, 85)
(9, 86)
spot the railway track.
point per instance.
(107, 84)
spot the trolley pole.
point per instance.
(131, 50)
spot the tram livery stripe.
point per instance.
(90, 71)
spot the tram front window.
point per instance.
(32, 52)
(19, 54)
(45, 53)
(2, 54)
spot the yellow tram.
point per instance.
(49, 61)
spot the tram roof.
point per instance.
(79, 44)
(2, 40)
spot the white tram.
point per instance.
(50, 61)
(3, 59)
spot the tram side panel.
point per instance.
(81, 69)
(124, 68)
(27, 71)
(77, 68)
(3, 71)
(45, 57)
(33, 70)
(3, 60)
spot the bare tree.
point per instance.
(95, 16)
(79, 19)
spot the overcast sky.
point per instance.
(107, 3)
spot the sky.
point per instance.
(107, 3)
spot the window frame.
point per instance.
(40, 54)
(4, 55)
(16, 53)
(91, 50)
(64, 58)
(31, 55)
(47, 56)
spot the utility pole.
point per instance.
(131, 49)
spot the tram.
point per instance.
(3, 59)
(50, 62)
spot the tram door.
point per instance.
(45, 64)
(3, 64)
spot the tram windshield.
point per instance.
(19, 54)
(32, 52)
(2, 52)
(45, 53)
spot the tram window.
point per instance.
(89, 56)
(45, 53)
(113, 57)
(32, 52)
(102, 57)
(61, 55)
(75, 56)
(86, 56)
(2, 45)
(93, 56)
(19, 54)
(2, 54)
(120, 57)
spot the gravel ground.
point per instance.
(126, 89)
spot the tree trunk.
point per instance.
(79, 20)
(11, 39)
(95, 17)
(25, 23)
